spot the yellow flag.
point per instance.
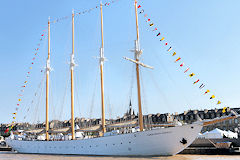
(192, 74)
(14, 117)
(219, 102)
(174, 53)
(224, 110)
(151, 24)
(162, 39)
(25, 82)
(177, 59)
(212, 97)
(15, 113)
(30, 67)
(19, 100)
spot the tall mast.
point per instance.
(102, 58)
(138, 53)
(72, 64)
(47, 81)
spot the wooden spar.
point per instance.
(102, 25)
(137, 54)
(101, 72)
(72, 81)
(47, 82)
(218, 120)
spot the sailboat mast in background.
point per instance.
(47, 82)
(138, 53)
(102, 58)
(72, 64)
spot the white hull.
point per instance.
(161, 141)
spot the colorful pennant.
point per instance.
(177, 59)
(207, 91)
(169, 49)
(191, 75)
(174, 53)
(186, 70)
(219, 102)
(196, 81)
(201, 86)
(213, 96)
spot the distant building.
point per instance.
(189, 116)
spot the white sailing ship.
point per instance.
(161, 140)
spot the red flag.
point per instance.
(17, 104)
(165, 43)
(42, 35)
(181, 64)
(158, 34)
(145, 15)
(196, 81)
(149, 19)
(7, 130)
(139, 6)
(186, 70)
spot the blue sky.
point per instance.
(205, 34)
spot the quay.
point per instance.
(223, 146)
(5, 148)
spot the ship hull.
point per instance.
(161, 141)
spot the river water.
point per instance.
(16, 156)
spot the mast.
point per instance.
(72, 64)
(47, 81)
(102, 58)
(138, 53)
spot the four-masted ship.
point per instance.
(161, 140)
